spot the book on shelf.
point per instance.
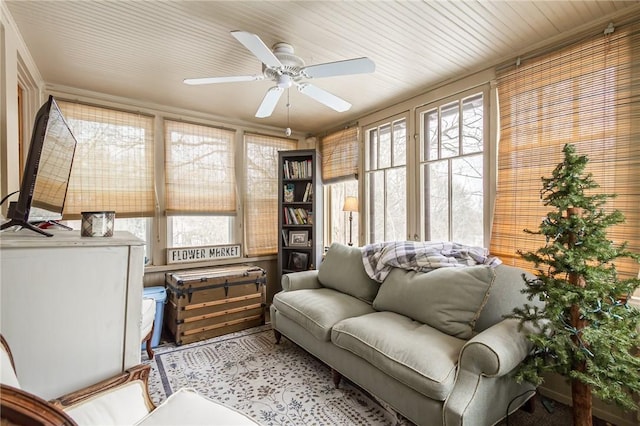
(301, 216)
(296, 216)
(297, 169)
(285, 238)
(308, 191)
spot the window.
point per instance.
(386, 181)
(112, 166)
(261, 192)
(196, 231)
(340, 153)
(585, 94)
(339, 227)
(200, 184)
(452, 170)
(113, 162)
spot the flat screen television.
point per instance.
(45, 180)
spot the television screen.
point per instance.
(46, 175)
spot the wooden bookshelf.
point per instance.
(300, 211)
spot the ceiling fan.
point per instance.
(281, 65)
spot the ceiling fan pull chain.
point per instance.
(287, 131)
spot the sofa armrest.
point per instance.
(484, 389)
(300, 280)
(497, 350)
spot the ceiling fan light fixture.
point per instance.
(285, 81)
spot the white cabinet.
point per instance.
(70, 307)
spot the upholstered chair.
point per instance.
(121, 400)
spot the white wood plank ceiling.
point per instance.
(144, 49)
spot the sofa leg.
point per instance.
(336, 378)
(530, 405)
(278, 336)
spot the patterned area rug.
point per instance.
(273, 384)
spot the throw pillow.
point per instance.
(342, 269)
(448, 299)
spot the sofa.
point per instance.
(435, 346)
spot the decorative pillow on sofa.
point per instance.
(343, 270)
(448, 299)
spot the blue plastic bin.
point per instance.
(160, 295)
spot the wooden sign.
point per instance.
(201, 254)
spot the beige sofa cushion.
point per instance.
(317, 310)
(448, 299)
(506, 293)
(343, 270)
(415, 354)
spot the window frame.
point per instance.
(99, 181)
(487, 152)
(335, 216)
(367, 214)
(202, 131)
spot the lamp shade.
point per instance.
(350, 204)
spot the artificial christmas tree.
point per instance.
(587, 331)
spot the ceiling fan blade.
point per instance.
(346, 67)
(231, 79)
(257, 47)
(324, 97)
(269, 102)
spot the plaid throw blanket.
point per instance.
(421, 256)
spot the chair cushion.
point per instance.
(415, 354)
(317, 310)
(148, 316)
(7, 373)
(124, 405)
(342, 269)
(448, 299)
(187, 407)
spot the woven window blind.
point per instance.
(200, 175)
(339, 152)
(261, 192)
(113, 163)
(586, 94)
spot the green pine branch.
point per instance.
(576, 245)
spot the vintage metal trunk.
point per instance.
(205, 303)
